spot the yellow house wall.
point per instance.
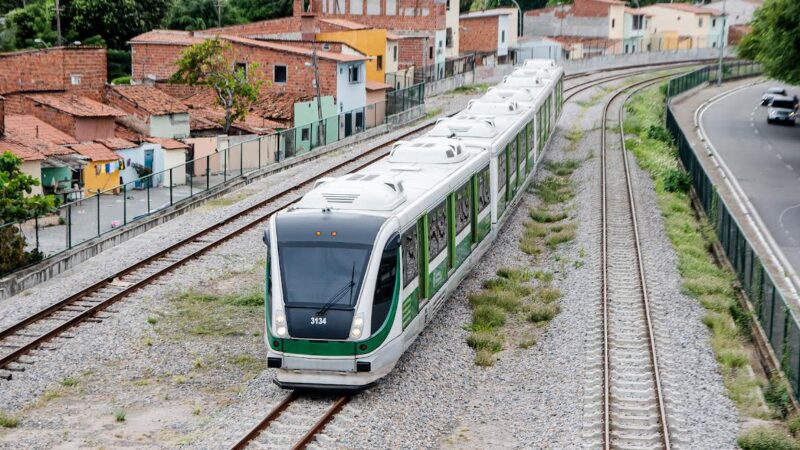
(103, 182)
(370, 42)
(617, 13)
(681, 22)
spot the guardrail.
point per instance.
(774, 312)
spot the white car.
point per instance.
(781, 109)
(770, 93)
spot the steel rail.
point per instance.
(276, 411)
(627, 91)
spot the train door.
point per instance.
(482, 202)
(411, 248)
(437, 254)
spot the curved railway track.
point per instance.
(32, 333)
(293, 423)
(630, 412)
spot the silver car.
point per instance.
(781, 109)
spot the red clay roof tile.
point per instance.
(150, 99)
(95, 151)
(75, 105)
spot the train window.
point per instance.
(437, 230)
(462, 208)
(484, 196)
(531, 137)
(384, 284)
(410, 255)
(512, 154)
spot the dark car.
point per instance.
(781, 109)
(770, 93)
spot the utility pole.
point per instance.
(321, 135)
(722, 43)
(58, 23)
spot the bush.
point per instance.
(659, 133)
(764, 438)
(676, 180)
(126, 79)
(542, 312)
(7, 421)
(794, 425)
(487, 317)
(548, 294)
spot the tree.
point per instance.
(210, 64)
(254, 10)
(775, 40)
(201, 14)
(34, 21)
(116, 21)
(16, 204)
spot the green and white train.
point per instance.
(360, 265)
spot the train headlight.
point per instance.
(280, 323)
(358, 326)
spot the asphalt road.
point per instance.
(764, 159)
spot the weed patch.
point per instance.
(8, 421)
(486, 340)
(538, 312)
(433, 113)
(766, 438)
(554, 189)
(544, 216)
(562, 168)
(469, 89)
(207, 314)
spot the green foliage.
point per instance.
(487, 317)
(69, 382)
(210, 63)
(7, 421)
(119, 65)
(777, 395)
(539, 312)
(766, 438)
(562, 168)
(121, 80)
(794, 425)
(35, 20)
(554, 189)
(206, 314)
(775, 40)
(254, 10)
(16, 204)
(676, 180)
(201, 14)
(544, 216)
(119, 415)
(480, 340)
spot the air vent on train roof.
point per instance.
(507, 107)
(500, 94)
(517, 82)
(422, 151)
(359, 191)
(538, 73)
(539, 63)
(470, 128)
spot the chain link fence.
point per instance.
(774, 312)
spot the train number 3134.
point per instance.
(319, 320)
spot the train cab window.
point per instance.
(410, 256)
(437, 230)
(501, 170)
(384, 284)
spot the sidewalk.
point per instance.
(684, 108)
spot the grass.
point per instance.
(469, 89)
(562, 168)
(486, 340)
(248, 363)
(487, 317)
(712, 286)
(152, 320)
(766, 438)
(554, 189)
(69, 382)
(560, 237)
(541, 215)
(208, 314)
(228, 200)
(119, 415)
(539, 312)
(8, 421)
(433, 113)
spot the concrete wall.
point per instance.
(539, 50)
(350, 95)
(439, 86)
(34, 169)
(503, 33)
(136, 155)
(392, 57)
(452, 22)
(176, 160)
(174, 126)
(739, 12)
(439, 53)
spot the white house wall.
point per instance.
(173, 126)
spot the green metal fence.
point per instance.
(773, 311)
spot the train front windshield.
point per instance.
(319, 274)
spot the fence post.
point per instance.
(148, 196)
(241, 159)
(98, 212)
(69, 225)
(170, 186)
(208, 171)
(36, 229)
(259, 152)
(225, 155)
(124, 204)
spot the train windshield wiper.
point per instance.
(340, 293)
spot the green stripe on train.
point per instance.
(410, 307)
(438, 277)
(484, 227)
(463, 249)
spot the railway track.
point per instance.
(293, 423)
(629, 410)
(34, 332)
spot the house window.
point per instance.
(638, 22)
(448, 39)
(280, 74)
(354, 75)
(379, 62)
(304, 134)
(503, 36)
(241, 66)
(430, 52)
(448, 5)
(75, 79)
(356, 7)
(713, 22)
(613, 22)
(700, 22)
(394, 51)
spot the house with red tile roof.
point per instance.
(684, 26)
(164, 116)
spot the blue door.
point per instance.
(148, 164)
